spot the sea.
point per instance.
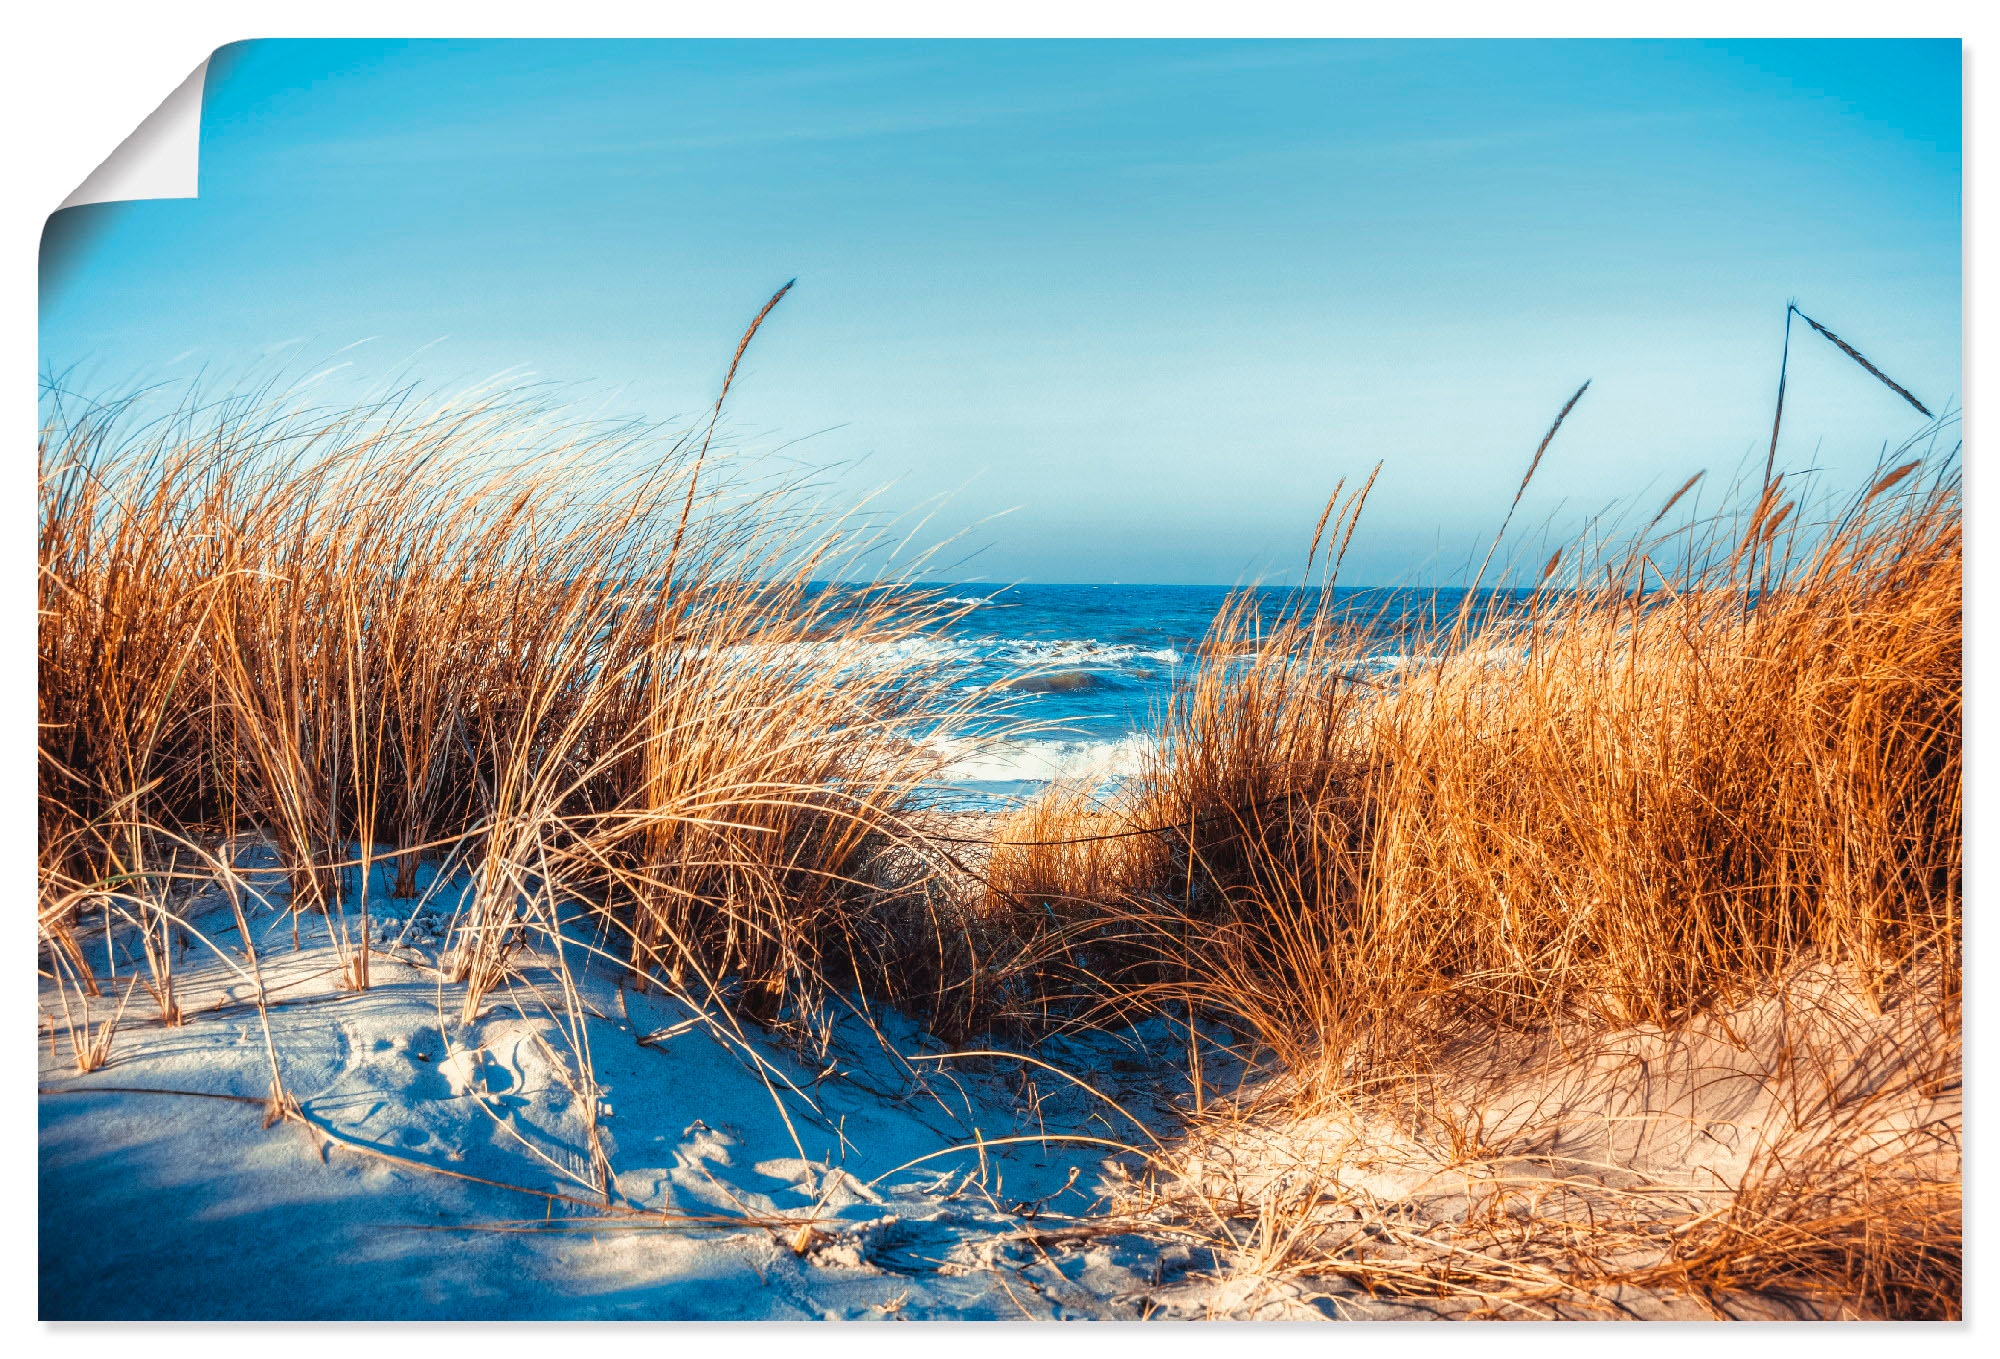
(1090, 668)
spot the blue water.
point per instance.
(1094, 665)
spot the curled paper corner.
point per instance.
(162, 157)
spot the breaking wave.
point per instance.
(1028, 761)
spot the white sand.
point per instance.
(174, 1205)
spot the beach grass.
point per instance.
(1622, 798)
(475, 634)
(1689, 763)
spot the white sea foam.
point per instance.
(1073, 651)
(1038, 761)
(1023, 652)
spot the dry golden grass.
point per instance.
(1601, 802)
(1702, 758)
(570, 659)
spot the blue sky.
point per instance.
(1153, 298)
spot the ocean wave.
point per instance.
(1039, 761)
(1076, 651)
(1019, 652)
(1064, 664)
